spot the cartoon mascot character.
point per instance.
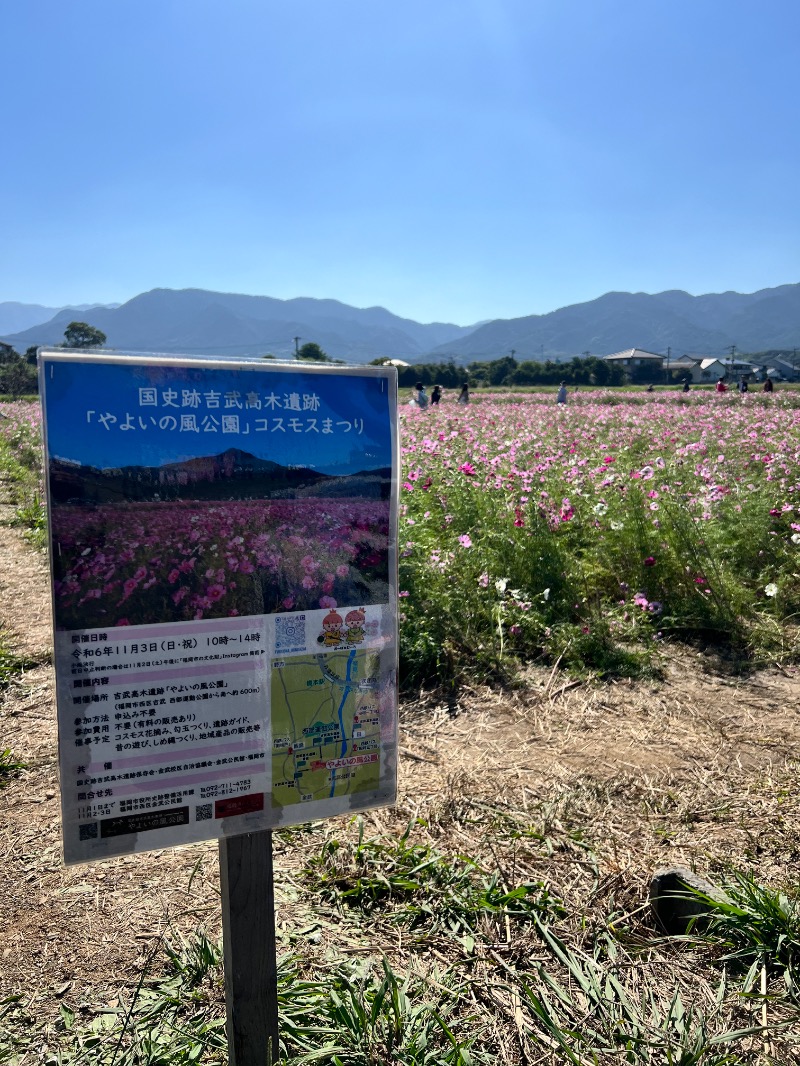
(355, 626)
(331, 633)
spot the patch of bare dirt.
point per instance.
(24, 593)
(698, 769)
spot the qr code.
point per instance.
(87, 831)
(290, 633)
(202, 812)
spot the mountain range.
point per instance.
(15, 317)
(212, 323)
(215, 323)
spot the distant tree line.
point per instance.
(589, 370)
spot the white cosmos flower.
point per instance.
(771, 589)
(795, 538)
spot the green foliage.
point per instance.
(756, 926)
(21, 472)
(9, 766)
(11, 664)
(359, 1018)
(82, 335)
(359, 1014)
(312, 353)
(593, 1006)
(18, 376)
(419, 886)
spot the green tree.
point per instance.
(312, 353)
(17, 377)
(82, 335)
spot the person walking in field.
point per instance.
(561, 395)
(463, 396)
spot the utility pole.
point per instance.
(513, 352)
(732, 350)
(669, 353)
(297, 346)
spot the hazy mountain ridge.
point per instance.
(15, 317)
(212, 323)
(769, 318)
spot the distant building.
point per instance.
(635, 357)
(639, 364)
(635, 360)
(686, 366)
(781, 370)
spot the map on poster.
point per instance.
(326, 730)
(223, 552)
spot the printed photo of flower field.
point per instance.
(125, 564)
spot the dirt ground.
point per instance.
(700, 769)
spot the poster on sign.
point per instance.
(224, 557)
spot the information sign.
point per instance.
(224, 557)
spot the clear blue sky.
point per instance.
(448, 159)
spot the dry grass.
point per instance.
(584, 789)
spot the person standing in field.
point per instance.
(721, 386)
(561, 395)
(436, 395)
(463, 396)
(768, 386)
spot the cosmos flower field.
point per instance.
(584, 534)
(590, 532)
